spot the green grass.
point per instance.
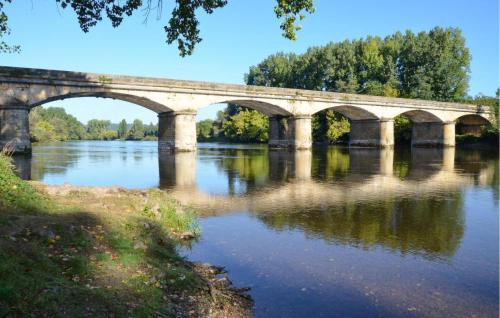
(15, 193)
(169, 215)
(61, 261)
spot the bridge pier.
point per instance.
(303, 162)
(278, 131)
(290, 132)
(14, 128)
(433, 134)
(372, 133)
(177, 170)
(449, 159)
(286, 165)
(387, 161)
(177, 131)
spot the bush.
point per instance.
(17, 193)
(247, 126)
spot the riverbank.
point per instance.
(103, 252)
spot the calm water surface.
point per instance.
(328, 233)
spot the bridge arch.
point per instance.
(426, 128)
(473, 119)
(362, 127)
(420, 116)
(351, 112)
(269, 112)
(134, 99)
(471, 124)
(264, 107)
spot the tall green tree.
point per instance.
(122, 129)
(435, 65)
(430, 65)
(151, 131)
(205, 130)
(97, 128)
(247, 126)
(274, 71)
(136, 131)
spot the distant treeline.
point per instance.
(54, 124)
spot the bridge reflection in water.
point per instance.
(410, 202)
(275, 179)
(405, 201)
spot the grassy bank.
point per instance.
(102, 252)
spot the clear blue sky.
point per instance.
(234, 38)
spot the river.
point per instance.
(335, 232)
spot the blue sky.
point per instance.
(234, 38)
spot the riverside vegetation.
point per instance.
(102, 252)
(54, 124)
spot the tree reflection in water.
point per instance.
(431, 227)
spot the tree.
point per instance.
(43, 131)
(4, 30)
(204, 130)
(435, 65)
(274, 71)
(430, 65)
(109, 135)
(122, 129)
(329, 126)
(183, 24)
(96, 128)
(402, 129)
(67, 126)
(54, 123)
(136, 132)
(151, 132)
(493, 103)
(247, 126)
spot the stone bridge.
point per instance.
(176, 103)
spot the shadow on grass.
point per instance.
(75, 263)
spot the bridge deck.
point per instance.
(55, 77)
